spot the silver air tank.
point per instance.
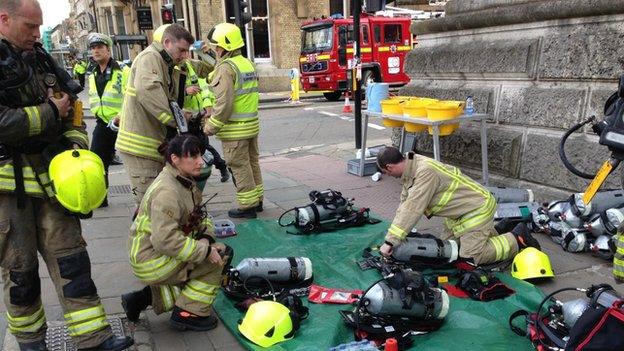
(605, 222)
(574, 240)
(306, 215)
(572, 310)
(504, 195)
(283, 269)
(556, 209)
(426, 250)
(381, 299)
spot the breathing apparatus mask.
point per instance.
(329, 210)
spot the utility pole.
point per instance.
(357, 70)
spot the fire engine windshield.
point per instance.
(316, 39)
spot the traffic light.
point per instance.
(167, 13)
(240, 16)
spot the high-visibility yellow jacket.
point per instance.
(235, 112)
(203, 99)
(618, 258)
(109, 105)
(158, 244)
(146, 112)
(432, 188)
(81, 67)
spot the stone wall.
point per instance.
(535, 74)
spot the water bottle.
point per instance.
(469, 106)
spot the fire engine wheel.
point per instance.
(333, 95)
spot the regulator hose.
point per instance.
(562, 154)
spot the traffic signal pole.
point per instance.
(356, 73)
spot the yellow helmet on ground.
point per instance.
(227, 36)
(531, 263)
(267, 322)
(159, 32)
(78, 180)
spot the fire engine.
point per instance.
(327, 47)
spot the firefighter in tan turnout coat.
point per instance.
(172, 246)
(432, 188)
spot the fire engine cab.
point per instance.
(327, 47)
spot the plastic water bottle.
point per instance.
(469, 106)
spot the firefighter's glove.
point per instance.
(483, 286)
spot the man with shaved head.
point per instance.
(35, 125)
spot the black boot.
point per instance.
(112, 344)
(33, 346)
(238, 213)
(225, 175)
(135, 302)
(184, 320)
(104, 203)
(524, 237)
(259, 208)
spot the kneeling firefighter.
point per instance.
(436, 189)
(172, 245)
(36, 125)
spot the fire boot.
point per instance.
(33, 346)
(184, 320)
(524, 237)
(112, 344)
(225, 175)
(238, 213)
(135, 302)
(259, 208)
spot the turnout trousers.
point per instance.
(242, 157)
(44, 226)
(191, 287)
(484, 245)
(142, 172)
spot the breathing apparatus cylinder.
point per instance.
(423, 302)
(325, 205)
(606, 222)
(574, 240)
(281, 270)
(556, 209)
(505, 195)
(572, 310)
(602, 201)
(426, 250)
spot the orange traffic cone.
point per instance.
(347, 106)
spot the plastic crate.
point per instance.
(370, 166)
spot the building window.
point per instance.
(121, 29)
(260, 25)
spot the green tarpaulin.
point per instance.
(470, 325)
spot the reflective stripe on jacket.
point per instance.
(432, 188)
(158, 245)
(243, 122)
(109, 105)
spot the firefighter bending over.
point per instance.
(432, 188)
(172, 245)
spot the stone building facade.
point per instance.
(536, 67)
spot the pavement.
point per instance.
(288, 178)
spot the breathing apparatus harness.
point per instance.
(595, 323)
(328, 211)
(416, 309)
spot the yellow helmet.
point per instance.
(227, 36)
(531, 263)
(159, 32)
(268, 322)
(78, 180)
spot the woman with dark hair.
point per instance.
(172, 245)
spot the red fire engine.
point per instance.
(327, 47)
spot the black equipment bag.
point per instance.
(599, 329)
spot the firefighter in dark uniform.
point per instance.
(36, 124)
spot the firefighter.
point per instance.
(37, 124)
(618, 257)
(432, 188)
(107, 86)
(146, 118)
(172, 245)
(234, 118)
(80, 69)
